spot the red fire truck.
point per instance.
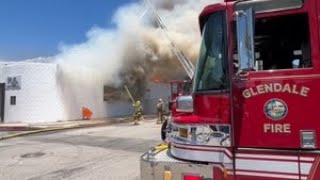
(253, 108)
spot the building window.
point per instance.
(12, 100)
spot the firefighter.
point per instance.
(160, 111)
(138, 110)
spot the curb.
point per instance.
(58, 129)
(20, 128)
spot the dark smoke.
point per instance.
(137, 51)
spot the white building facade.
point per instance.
(44, 92)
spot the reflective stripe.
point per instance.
(261, 156)
(305, 168)
(267, 175)
(307, 159)
(268, 166)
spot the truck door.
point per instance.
(274, 90)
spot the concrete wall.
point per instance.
(36, 101)
(80, 86)
(52, 92)
(118, 109)
(155, 91)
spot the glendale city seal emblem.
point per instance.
(275, 109)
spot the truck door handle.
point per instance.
(241, 75)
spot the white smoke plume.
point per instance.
(137, 49)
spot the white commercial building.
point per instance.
(44, 92)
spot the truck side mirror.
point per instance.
(185, 104)
(245, 38)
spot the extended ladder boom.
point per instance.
(185, 62)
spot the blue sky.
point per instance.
(32, 28)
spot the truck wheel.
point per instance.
(163, 130)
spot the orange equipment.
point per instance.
(86, 113)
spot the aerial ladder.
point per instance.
(185, 62)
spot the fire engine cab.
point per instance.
(253, 110)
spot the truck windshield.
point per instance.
(212, 66)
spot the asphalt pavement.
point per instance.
(10, 130)
(109, 152)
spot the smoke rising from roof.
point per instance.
(137, 50)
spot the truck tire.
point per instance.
(163, 130)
